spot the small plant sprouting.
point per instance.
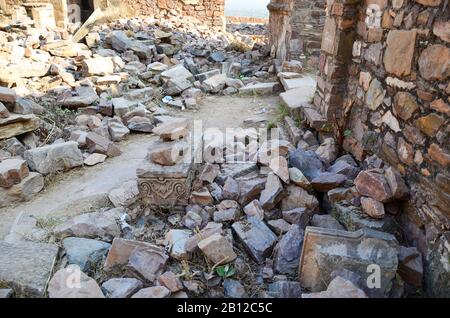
(225, 271)
(347, 133)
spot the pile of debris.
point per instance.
(122, 79)
(297, 221)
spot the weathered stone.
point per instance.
(326, 221)
(308, 162)
(373, 185)
(215, 83)
(328, 150)
(4, 112)
(405, 105)
(375, 95)
(410, 265)
(279, 166)
(7, 95)
(259, 88)
(285, 289)
(147, 263)
(174, 129)
(439, 155)
(178, 71)
(271, 194)
(227, 215)
(344, 168)
(85, 253)
(234, 289)
(257, 238)
(325, 250)
(398, 187)
(152, 292)
(254, 209)
(339, 288)
(166, 153)
(98, 66)
(279, 226)
(434, 62)
(250, 189)
(12, 171)
(430, 124)
(287, 251)
(210, 229)
(298, 198)
(209, 173)
(82, 97)
(231, 189)
(391, 121)
(177, 241)
(140, 124)
(372, 208)
(175, 86)
(125, 195)
(327, 181)
(94, 159)
(170, 281)
(299, 216)
(16, 124)
(298, 178)
(217, 249)
(440, 106)
(102, 145)
(441, 30)
(405, 151)
(117, 130)
(399, 52)
(202, 197)
(26, 266)
(121, 287)
(101, 225)
(22, 191)
(62, 286)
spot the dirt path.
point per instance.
(85, 189)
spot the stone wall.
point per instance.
(307, 21)
(385, 73)
(211, 12)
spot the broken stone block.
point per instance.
(61, 285)
(271, 194)
(210, 229)
(177, 71)
(227, 215)
(279, 166)
(398, 187)
(12, 171)
(285, 289)
(102, 145)
(299, 216)
(125, 195)
(279, 226)
(327, 181)
(326, 221)
(259, 88)
(231, 189)
(177, 241)
(23, 191)
(152, 292)
(94, 225)
(339, 288)
(175, 86)
(373, 185)
(297, 178)
(328, 150)
(344, 168)
(140, 124)
(26, 266)
(121, 287)
(170, 281)
(174, 129)
(372, 208)
(257, 238)
(233, 289)
(120, 252)
(4, 112)
(167, 153)
(217, 249)
(250, 189)
(16, 124)
(298, 198)
(308, 162)
(94, 159)
(147, 263)
(287, 251)
(209, 173)
(85, 253)
(326, 250)
(254, 209)
(215, 83)
(433, 62)
(117, 130)
(410, 266)
(7, 95)
(202, 197)
(83, 96)
(53, 158)
(100, 66)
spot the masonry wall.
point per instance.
(398, 82)
(307, 21)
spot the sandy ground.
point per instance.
(85, 189)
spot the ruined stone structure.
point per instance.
(383, 89)
(210, 12)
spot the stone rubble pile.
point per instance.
(65, 104)
(301, 220)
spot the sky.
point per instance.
(247, 8)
